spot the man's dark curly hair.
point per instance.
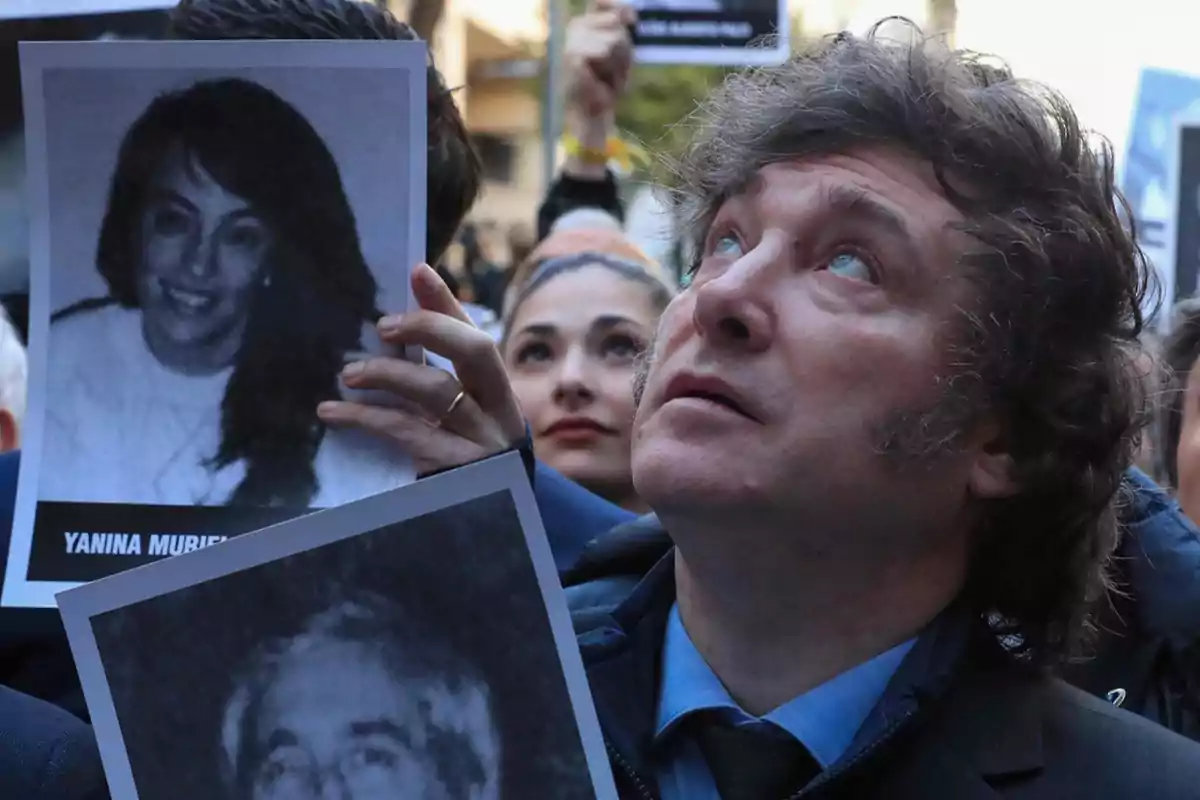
(1044, 348)
(320, 294)
(453, 168)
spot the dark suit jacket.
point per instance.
(960, 720)
(1007, 734)
(45, 753)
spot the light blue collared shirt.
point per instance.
(824, 719)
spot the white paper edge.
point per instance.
(407, 58)
(38, 9)
(503, 473)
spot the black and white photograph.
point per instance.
(215, 230)
(716, 32)
(413, 644)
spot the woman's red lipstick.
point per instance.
(577, 429)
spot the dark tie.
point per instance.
(756, 762)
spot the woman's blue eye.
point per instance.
(851, 266)
(727, 246)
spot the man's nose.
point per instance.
(735, 309)
(333, 786)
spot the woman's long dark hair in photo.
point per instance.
(319, 292)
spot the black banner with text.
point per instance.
(80, 542)
(737, 29)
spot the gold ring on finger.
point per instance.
(458, 398)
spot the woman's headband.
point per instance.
(625, 267)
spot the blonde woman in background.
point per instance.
(575, 326)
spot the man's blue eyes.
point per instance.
(849, 265)
(727, 246)
(846, 264)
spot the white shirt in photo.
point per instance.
(121, 428)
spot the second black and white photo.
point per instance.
(414, 644)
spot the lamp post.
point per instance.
(551, 88)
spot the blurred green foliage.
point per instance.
(658, 100)
(658, 97)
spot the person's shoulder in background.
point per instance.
(571, 515)
(45, 753)
(34, 655)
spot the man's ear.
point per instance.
(10, 432)
(993, 473)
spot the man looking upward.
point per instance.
(883, 428)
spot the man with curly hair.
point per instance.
(883, 430)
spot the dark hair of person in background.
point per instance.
(453, 168)
(489, 267)
(318, 292)
(485, 278)
(1045, 343)
(1180, 349)
(448, 278)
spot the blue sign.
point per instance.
(1162, 98)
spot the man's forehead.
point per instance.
(886, 174)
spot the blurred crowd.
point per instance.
(1079, 486)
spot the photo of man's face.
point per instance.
(336, 722)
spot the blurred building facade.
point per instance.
(490, 52)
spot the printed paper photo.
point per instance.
(215, 229)
(414, 644)
(718, 32)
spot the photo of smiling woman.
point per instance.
(236, 288)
